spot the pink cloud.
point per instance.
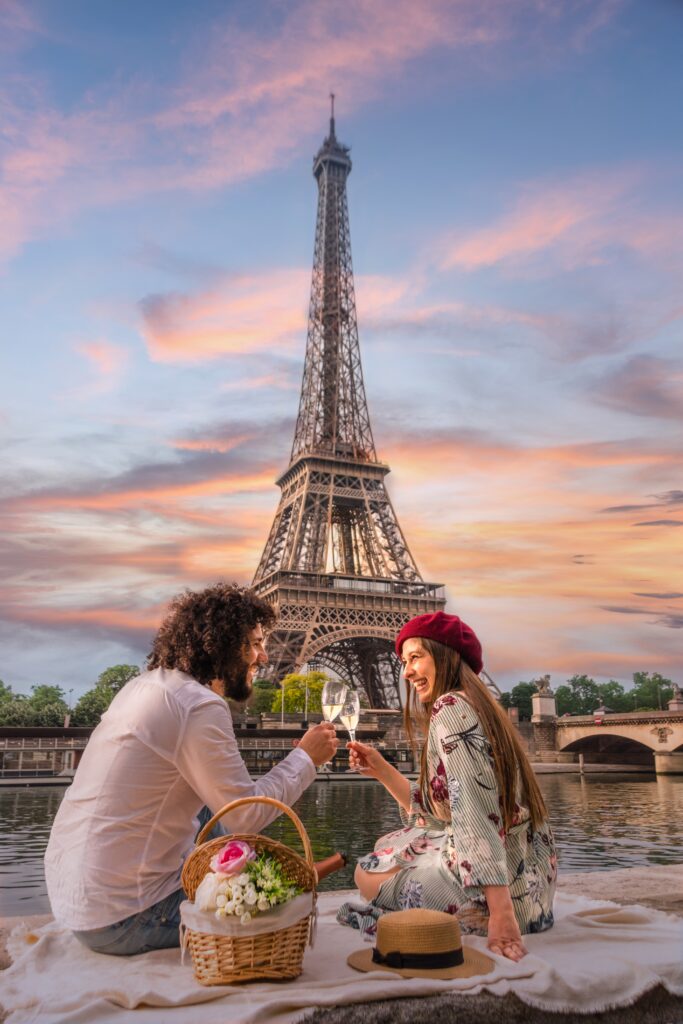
(251, 313)
(247, 100)
(575, 222)
(259, 312)
(107, 362)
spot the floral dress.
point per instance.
(446, 860)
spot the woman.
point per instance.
(477, 843)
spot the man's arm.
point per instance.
(209, 760)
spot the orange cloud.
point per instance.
(248, 314)
(107, 361)
(576, 221)
(208, 444)
(253, 313)
(149, 496)
(142, 620)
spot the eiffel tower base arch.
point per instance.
(346, 625)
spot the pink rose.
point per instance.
(232, 858)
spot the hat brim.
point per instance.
(475, 963)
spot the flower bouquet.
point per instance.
(251, 904)
(243, 883)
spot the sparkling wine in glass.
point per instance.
(350, 714)
(333, 697)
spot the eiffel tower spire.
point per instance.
(333, 414)
(336, 563)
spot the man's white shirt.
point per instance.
(165, 748)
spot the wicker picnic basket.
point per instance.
(225, 959)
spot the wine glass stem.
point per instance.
(352, 734)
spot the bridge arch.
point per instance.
(612, 748)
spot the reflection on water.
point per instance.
(600, 822)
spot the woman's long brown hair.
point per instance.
(513, 772)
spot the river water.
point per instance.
(600, 822)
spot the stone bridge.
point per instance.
(651, 737)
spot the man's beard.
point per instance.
(237, 683)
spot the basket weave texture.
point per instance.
(223, 959)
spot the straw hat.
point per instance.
(421, 944)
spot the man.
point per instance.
(164, 749)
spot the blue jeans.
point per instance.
(156, 927)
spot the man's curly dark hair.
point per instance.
(205, 631)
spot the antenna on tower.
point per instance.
(332, 116)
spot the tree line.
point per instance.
(47, 705)
(581, 695)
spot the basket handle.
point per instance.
(303, 834)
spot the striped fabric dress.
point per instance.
(446, 860)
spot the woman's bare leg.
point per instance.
(369, 882)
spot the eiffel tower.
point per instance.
(336, 564)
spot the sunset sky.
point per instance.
(516, 206)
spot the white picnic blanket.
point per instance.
(598, 955)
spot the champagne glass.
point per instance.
(333, 697)
(349, 716)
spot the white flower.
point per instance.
(224, 886)
(230, 907)
(221, 900)
(236, 890)
(207, 890)
(250, 897)
(263, 903)
(220, 912)
(242, 879)
(246, 917)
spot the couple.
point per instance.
(164, 757)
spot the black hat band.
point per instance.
(419, 961)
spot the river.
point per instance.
(600, 822)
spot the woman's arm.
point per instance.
(370, 762)
(478, 834)
(504, 936)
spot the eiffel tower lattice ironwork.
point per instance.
(336, 564)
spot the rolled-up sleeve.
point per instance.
(208, 758)
(478, 839)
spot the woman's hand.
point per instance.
(367, 760)
(504, 937)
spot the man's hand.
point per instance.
(320, 743)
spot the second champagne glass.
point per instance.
(332, 698)
(349, 716)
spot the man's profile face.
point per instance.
(238, 685)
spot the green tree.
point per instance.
(651, 691)
(565, 701)
(43, 696)
(262, 696)
(92, 706)
(16, 711)
(613, 696)
(44, 707)
(520, 698)
(585, 695)
(117, 676)
(294, 688)
(505, 700)
(5, 692)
